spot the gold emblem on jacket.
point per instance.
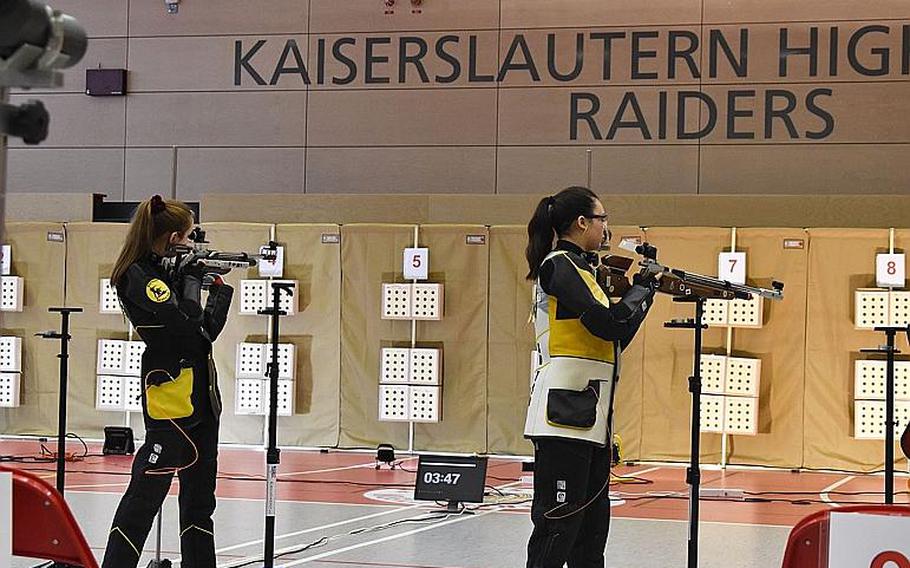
(157, 291)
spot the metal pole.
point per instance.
(61, 415)
(693, 475)
(273, 454)
(889, 420)
(4, 98)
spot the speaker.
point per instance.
(118, 441)
(105, 82)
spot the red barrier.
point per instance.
(807, 546)
(43, 526)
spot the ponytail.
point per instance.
(552, 219)
(153, 219)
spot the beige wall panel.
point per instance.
(549, 13)
(316, 331)
(315, 208)
(840, 261)
(225, 17)
(246, 237)
(370, 255)
(511, 340)
(41, 264)
(779, 344)
(485, 209)
(650, 210)
(400, 170)
(100, 18)
(794, 10)
(92, 249)
(217, 119)
(369, 16)
(452, 117)
(437, 69)
(241, 170)
(462, 335)
(871, 113)
(148, 171)
(592, 73)
(78, 120)
(106, 53)
(668, 353)
(652, 170)
(622, 169)
(47, 206)
(541, 116)
(208, 63)
(788, 169)
(70, 171)
(540, 170)
(764, 53)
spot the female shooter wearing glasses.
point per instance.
(580, 335)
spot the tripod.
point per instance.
(273, 454)
(890, 351)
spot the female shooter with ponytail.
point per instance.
(181, 403)
(580, 336)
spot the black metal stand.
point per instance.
(273, 455)
(64, 336)
(693, 473)
(158, 562)
(890, 351)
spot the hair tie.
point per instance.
(157, 204)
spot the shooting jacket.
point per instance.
(580, 337)
(179, 381)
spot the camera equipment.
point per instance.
(35, 41)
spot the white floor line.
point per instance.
(832, 487)
(342, 468)
(459, 519)
(245, 560)
(314, 529)
(700, 522)
(68, 487)
(642, 472)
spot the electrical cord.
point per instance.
(322, 541)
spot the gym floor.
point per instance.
(347, 513)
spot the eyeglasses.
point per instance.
(601, 217)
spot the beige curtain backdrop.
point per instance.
(315, 331)
(627, 402)
(246, 237)
(779, 344)
(462, 334)
(840, 261)
(40, 263)
(91, 250)
(370, 255)
(668, 355)
(807, 345)
(511, 341)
